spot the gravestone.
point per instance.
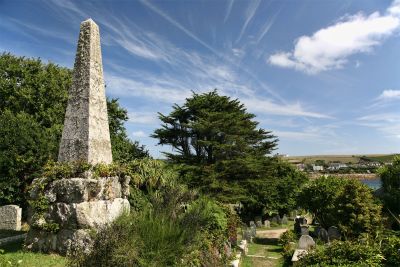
(252, 223)
(247, 235)
(334, 233)
(81, 205)
(297, 227)
(306, 242)
(258, 221)
(253, 230)
(276, 219)
(323, 235)
(10, 217)
(304, 230)
(284, 219)
(267, 223)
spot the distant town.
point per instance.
(340, 164)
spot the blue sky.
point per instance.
(323, 75)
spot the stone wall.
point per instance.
(77, 207)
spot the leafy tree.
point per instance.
(346, 203)
(210, 128)
(222, 152)
(390, 176)
(33, 99)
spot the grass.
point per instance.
(14, 255)
(341, 158)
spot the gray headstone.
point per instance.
(86, 134)
(267, 223)
(253, 230)
(334, 233)
(259, 223)
(10, 217)
(284, 219)
(306, 242)
(323, 235)
(276, 219)
(304, 230)
(247, 235)
(252, 223)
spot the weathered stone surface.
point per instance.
(95, 214)
(267, 223)
(86, 133)
(306, 242)
(323, 235)
(10, 217)
(63, 242)
(298, 254)
(334, 233)
(304, 230)
(284, 220)
(76, 190)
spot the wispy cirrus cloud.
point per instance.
(330, 47)
(249, 14)
(387, 123)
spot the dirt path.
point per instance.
(276, 233)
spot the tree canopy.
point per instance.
(33, 99)
(223, 153)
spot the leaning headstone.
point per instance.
(267, 223)
(79, 206)
(334, 233)
(10, 217)
(323, 235)
(304, 230)
(306, 242)
(284, 220)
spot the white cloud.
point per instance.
(139, 134)
(269, 107)
(143, 117)
(390, 95)
(330, 47)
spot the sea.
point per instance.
(372, 183)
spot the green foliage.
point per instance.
(390, 177)
(345, 203)
(288, 241)
(222, 153)
(344, 253)
(155, 238)
(33, 99)
(24, 147)
(210, 128)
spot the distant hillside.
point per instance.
(341, 158)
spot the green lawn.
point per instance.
(14, 255)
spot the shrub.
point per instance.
(345, 203)
(344, 253)
(286, 241)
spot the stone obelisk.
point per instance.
(86, 134)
